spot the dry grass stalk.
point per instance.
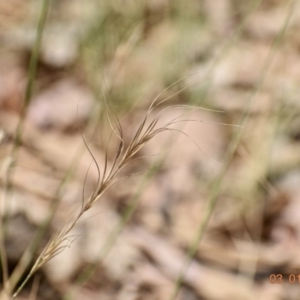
(123, 157)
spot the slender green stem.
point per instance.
(87, 273)
(18, 137)
(229, 155)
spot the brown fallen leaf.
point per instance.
(206, 282)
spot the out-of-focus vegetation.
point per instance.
(238, 60)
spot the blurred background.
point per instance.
(233, 58)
